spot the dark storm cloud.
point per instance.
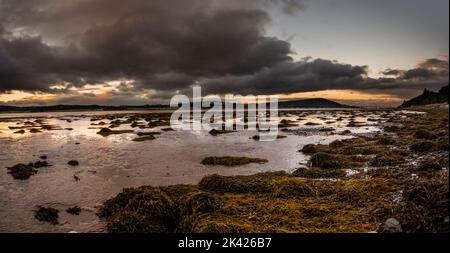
(25, 64)
(426, 70)
(287, 77)
(147, 41)
(429, 73)
(166, 46)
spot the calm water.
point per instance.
(108, 164)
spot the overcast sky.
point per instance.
(144, 52)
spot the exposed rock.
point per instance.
(76, 210)
(147, 133)
(309, 149)
(47, 214)
(73, 163)
(106, 132)
(144, 138)
(231, 161)
(22, 171)
(429, 166)
(311, 124)
(257, 137)
(421, 147)
(326, 161)
(40, 164)
(287, 123)
(391, 225)
(215, 132)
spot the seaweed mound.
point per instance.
(141, 210)
(326, 161)
(319, 173)
(47, 214)
(258, 183)
(22, 171)
(231, 160)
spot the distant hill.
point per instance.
(5, 108)
(429, 97)
(312, 103)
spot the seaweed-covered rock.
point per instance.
(140, 210)
(289, 188)
(424, 146)
(345, 132)
(326, 161)
(40, 164)
(258, 137)
(231, 160)
(287, 123)
(106, 132)
(144, 138)
(215, 132)
(73, 163)
(386, 159)
(35, 130)
(258, 183)
(22, 171)
(309, 149)
(193, 206)
(76, 210)
(319, 173)
(47, 214)
(425, 135)
(429, 166)
(336, 144)
(385, 140)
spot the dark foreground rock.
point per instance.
(215, 132)
(76, 210)
(25, 171)
(391, 225)
(105, 132)
(47, 214)
(22, 171)
(231, 160)
(73, 163)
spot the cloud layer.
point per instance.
(165, 46)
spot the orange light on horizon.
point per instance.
(343, 95)
(102, 94)
(15, 96)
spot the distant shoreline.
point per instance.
(24, 114)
